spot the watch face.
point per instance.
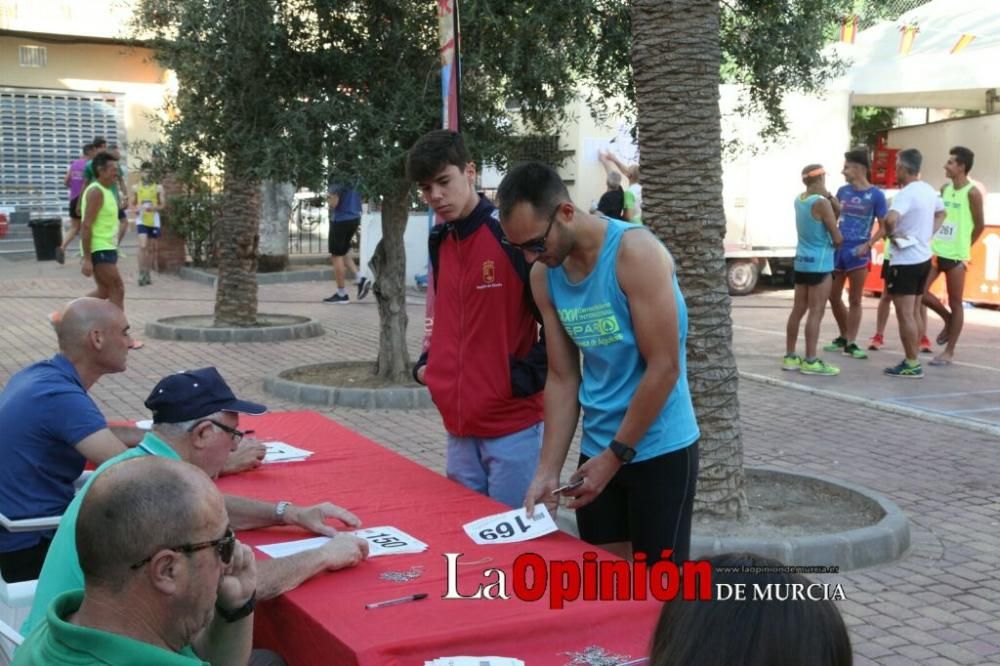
(622, 452)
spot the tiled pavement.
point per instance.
(939, 604)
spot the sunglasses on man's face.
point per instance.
(224, 545)
(535, 245)
(237, 435)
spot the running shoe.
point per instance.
(338, 299)
(837, 344)
(791, 362)
(925, 345)
(876, 342)
(904, 369)
(364, 286)
(818, 367)
(854, 351)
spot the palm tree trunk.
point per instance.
(236, 293)
(675, 60)
(388, 264)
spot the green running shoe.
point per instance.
(854, 351)
(791, 362)
(837, 344)
(906, 370)
(818, 367)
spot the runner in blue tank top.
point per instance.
(818, 237)
(607, 291)
(859, 205)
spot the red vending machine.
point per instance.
(884, 164)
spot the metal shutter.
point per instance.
(41, 132)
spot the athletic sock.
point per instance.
(341, 291)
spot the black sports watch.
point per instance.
(622, 452)
(238, 614)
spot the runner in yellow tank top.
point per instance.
(148, 200)
(952, 245)
(99, 233)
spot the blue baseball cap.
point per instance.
(194, 394)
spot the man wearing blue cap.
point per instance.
(196, 419)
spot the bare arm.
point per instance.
(939, 218)
(229, 643)
(890, 222)
(129, 435)
(332, 200)
(95, 199)
(161, 198)
(618, 163)
(279, 575)
(248, 514)
(66, 178)
(822, 210)
(561, 400)
(978, 218)
(100, 446)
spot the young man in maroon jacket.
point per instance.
(485, 365)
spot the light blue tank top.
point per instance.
(814, 252)
(596, 316)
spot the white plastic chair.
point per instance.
(9, 641)
(15, 601)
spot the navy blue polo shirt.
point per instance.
(44, 413)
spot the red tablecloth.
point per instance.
(324, 621)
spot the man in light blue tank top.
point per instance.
(600, 287)
(819, 237)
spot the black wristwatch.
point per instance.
(622, 452)
(231, 616)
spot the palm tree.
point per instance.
(236, 293)
(676, 57)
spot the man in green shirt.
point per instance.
(166, 580)
(195, 419)
(952, 247)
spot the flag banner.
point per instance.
(963, 41)
(849, 29)
(908, 33)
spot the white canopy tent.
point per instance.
(929, 76)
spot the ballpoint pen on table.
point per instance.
(393, 602)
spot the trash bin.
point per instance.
(47, 234)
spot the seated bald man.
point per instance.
(51, 427)
(196, 419)
(166, 580)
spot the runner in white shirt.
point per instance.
(915, 214)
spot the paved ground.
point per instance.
(939, 604)
(968, 389)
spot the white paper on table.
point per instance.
(381, 541)
(287, 548)
(475, 661)
(511, 526)
(282, 452)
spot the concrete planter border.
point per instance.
(210, 279)
(174, 328)
(885, 541)
(355, 398)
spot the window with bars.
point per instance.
(41, 132)
(32, 56)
